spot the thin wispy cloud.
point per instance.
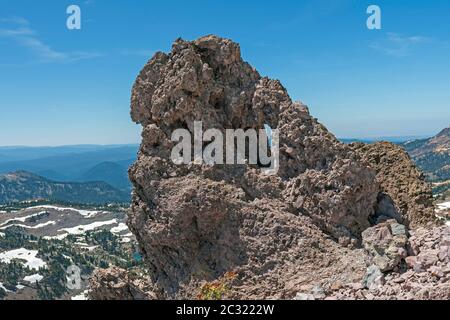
(18, 29)
(399, 46)
(16, 20)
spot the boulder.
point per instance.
(386, 244)
(374, 278)
(404, 195)
(118, 284)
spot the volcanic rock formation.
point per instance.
(278, 235)
(115, 283)
(401, 183)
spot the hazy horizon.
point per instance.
(369, 138)
(70, 145)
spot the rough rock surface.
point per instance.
(117, 284)
(296, 234)
(401, 183)
(425, 274)
(196, 222)
(386, 244)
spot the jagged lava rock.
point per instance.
(386, 244)
(400, 181)
(195, 222)
(117, 284)
(427, 276)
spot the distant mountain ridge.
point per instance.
(84, 163)
(432, 155)
(22, 153)
(23, 186)
(393, 139)
(112, 173)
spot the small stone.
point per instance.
(369, 296)
(418, 268)
(444, 253)
(446, 269)
(398, 280)
(445, 241)
(357, 286)
(353, 243)
(436, 271)
(384, 233)
(413, 248)
(428, 258)
(318, 292)
(374, 277)
(407, 275)
(398, 229)
(304, 296)
(402, 252)
(336, 286)
(411, 261)
(377, 283)
(344, 241)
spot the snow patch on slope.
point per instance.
(22, 219)
(33, 278)
(81, 229)
(41, 225)
(84, 213)
(29, 256)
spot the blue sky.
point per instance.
(73, 87)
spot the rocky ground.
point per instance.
(336, 221)
(418, 268)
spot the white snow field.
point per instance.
(81, 229)
(22, 219)
(33, 278)
(41, 225)
(29, 256)
(443, 206)
(121, 227)
(84, 213)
